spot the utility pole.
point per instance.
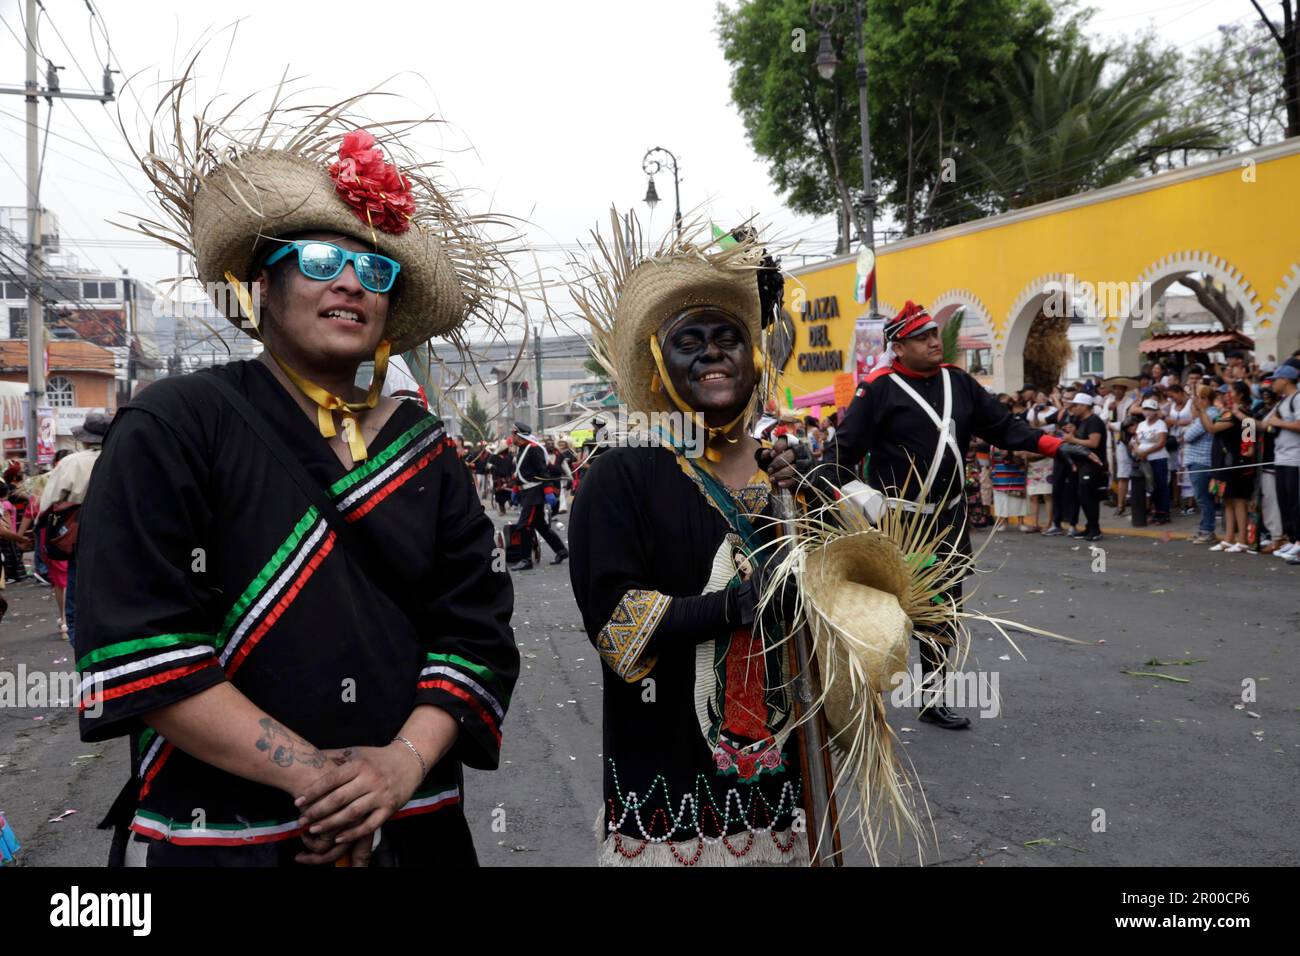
(35, 313)
(537, 361)
(35, 304)
(128, 319)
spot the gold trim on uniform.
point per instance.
(623, 638)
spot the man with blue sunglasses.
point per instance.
(287, 593)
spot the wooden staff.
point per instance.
(814, 756)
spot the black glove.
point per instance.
(742, 606)
(1074, 454)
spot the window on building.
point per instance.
(1091, 360)
(60, 392)
(14, 291)
(17, 323)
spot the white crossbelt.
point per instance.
(944, 424)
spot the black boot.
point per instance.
(940, 715)
(559, 558)
(522, 566)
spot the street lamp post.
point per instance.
(827, 63)
(651, 164)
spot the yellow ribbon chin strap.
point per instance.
(327, 403)
(662, 379)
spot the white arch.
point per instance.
(1009, 339)
(1123, 333)
(975, 306)
(1278, 331)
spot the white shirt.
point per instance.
(1147, 433)
(72, 475)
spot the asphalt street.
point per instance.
(1085, 763)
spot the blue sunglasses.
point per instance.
(324, 261)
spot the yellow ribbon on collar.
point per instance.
(327, 403)
(662, 380)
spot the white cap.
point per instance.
(1152, 404)
(1082, 398)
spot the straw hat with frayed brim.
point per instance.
(241, 206)
(626, 295)
(227, 189)
(857, 586)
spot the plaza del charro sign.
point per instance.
(818, 355)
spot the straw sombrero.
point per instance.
(242, 204)
(856, 586)
(227, 189)
(627, 294)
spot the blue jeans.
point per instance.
(1204, 500)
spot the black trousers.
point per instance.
(1090, 483)
(1288, 499)
(954, 526)
(532, 515)
(932, 655)
(1065, 493)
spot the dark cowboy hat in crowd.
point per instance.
(94, 428)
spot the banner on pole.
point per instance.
(46, 424)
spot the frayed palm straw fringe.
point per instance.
(187, 140)
(889, 800)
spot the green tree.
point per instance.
(474, 422)
(1287, 37)
(949, 335)
(1072, 128)
(931, 65)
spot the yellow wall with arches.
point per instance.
(1236, 218)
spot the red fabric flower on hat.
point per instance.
(376, 191)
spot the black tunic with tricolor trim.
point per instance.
(201, 561)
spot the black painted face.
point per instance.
(711, 365)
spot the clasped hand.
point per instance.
(343, 807)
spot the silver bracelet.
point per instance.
(424, 767)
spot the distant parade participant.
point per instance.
(700, 765)
(287, 596)
(532, 472)
(501, 469)
(914, 417)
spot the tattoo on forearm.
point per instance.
(284, 748)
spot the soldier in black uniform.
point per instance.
(915, 415)
(532, 470)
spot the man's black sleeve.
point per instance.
(853, 436)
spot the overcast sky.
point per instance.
(551, 105)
